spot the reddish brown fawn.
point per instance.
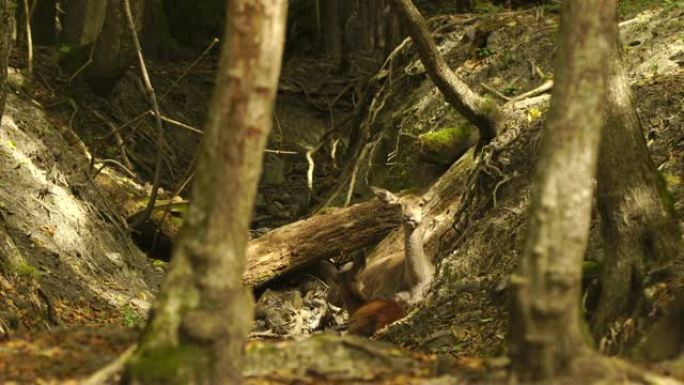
(375, 294)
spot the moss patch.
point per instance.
(23, 269)
(170, 365)
(446, 145)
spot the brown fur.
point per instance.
(374, 316)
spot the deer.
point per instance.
(377, 293)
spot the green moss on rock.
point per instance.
(445, 145)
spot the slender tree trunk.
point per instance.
(7, 8)
(333, 27)
(639, 225)
(481, 112)
(546, 333)
(203, 313)
(393, 34)
(43, 22)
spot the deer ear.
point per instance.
(385, 195)
(355, 266)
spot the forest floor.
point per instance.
(78, 290)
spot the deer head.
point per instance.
(345, 282)
(411, 206)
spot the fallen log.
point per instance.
(336, 232)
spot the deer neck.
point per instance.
(418, 267)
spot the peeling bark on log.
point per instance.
(321, 236)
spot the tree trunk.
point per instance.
(546, 333)
(83, 21)
(481, 112)
(43, 22)
(333, 27)
(156, 31)
(393, 31)
(115, 50)
(7, 8)
(639, 225)
(321, 236)
(203, 313)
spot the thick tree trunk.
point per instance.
(639, 225)
(321, 236)
(546, 335)
(83, 21)
(481, 112)
(7, 8)
(203, 313)
(115, 50)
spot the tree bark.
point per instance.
(336, 232)
(481, 112)
(639, 224)
(203, 312)
(7, 8)
(321, 236)
(115, 50)
(333, 27)
(43, 22)
(546, 335)
(83, 21)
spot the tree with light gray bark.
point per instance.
(203, 313)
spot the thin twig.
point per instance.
(106, 162)
(74, 107)
(495, 92)
(190, 174)
(281, 152)
(187, 70)
(118, 222)
(280, 129)
(117, 137)
(355, 172)
(310, 171)
(86, 64)
(546, 86)
(160, 126)
(177, 123)
(200, 132)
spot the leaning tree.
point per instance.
(203, 313)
